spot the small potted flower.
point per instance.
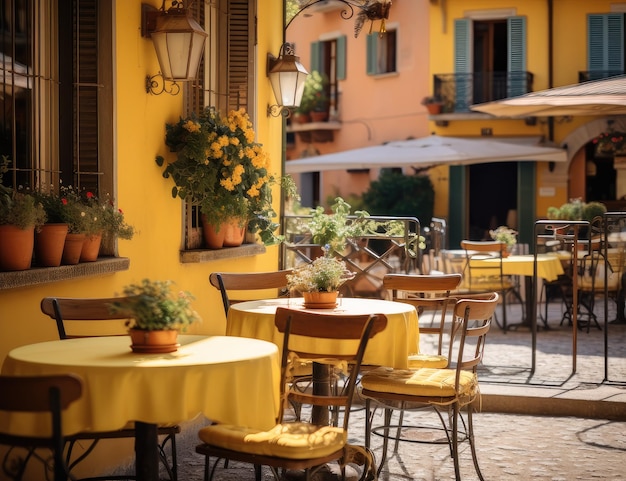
(506, 235)
(433, 104)
(156, 315)
(319, 281)
(222, 169)
(114, 225)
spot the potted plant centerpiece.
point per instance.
(222, 169)
(505, 234)
(156, 315)
(319, 281)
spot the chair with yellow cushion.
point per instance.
(446, 391)
(295, 443)
(430, 294)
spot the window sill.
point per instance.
(45, 275)
(208, 255)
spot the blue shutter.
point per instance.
(463, 64)
(605, 44)
(316, 56)
(516, 62)
(341, 57)
(372, 53)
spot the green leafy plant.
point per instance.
(152, 305)
(504, 234)
(431, 99)
(18, 206)
(81, 216)
(332, 230)
(323, 274)
(576, 209)
(221, 168)
(315, 96)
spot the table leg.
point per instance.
(146, 452)
(528, 306)
(321, 386)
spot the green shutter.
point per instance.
(516, 62)
(463, 64)
(316, 56)
(341, 57)
(372, 46)
(605, 42)
(457, 202)
(526, 201)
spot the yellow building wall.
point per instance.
(145, 196)
(569, 57)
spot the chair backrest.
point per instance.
(472, 318)
(296, 325)
(594, 267)
(50, 393)
(429, 294)
(84, 311)
(475, 252)
(248, 281)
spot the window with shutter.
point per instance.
(59, 126)
(381, 53)
(605, 44)
(226, 73)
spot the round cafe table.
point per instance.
(228, 379)
(390, 347)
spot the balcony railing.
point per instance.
(460, 90)
(393, 246)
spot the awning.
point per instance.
(597, 97)
(430, 151)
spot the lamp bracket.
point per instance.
(149, 15)
(369, 9)
(156, 85)
(276, 110)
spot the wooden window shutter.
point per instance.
(516, 61)
(241, 42)
(372, 53)
(316, 56)
(341, 58)
(605, 42)
(463, 63)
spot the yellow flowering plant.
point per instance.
(221, 168)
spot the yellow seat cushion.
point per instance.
(435, 361)
(422, 382)
(289, 440)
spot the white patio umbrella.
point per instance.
(430, 151)
(596, 97)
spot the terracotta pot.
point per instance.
(72, 249)
(49, 243)
(301, 118)
(319, 116)
(434, 109)
(229, 234)
(320, 300)
(91, 248)
(16, 248)
(157, 341)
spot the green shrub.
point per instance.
(398, 195)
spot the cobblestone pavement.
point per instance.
(510, 446)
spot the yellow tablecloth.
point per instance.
(228, 379)
(549, 266)
(391, 347)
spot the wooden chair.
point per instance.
(479, 277)
(430, 294)
(446, 391)
(296, 444)
(50, 393)
(248, 281)
(90, 317)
